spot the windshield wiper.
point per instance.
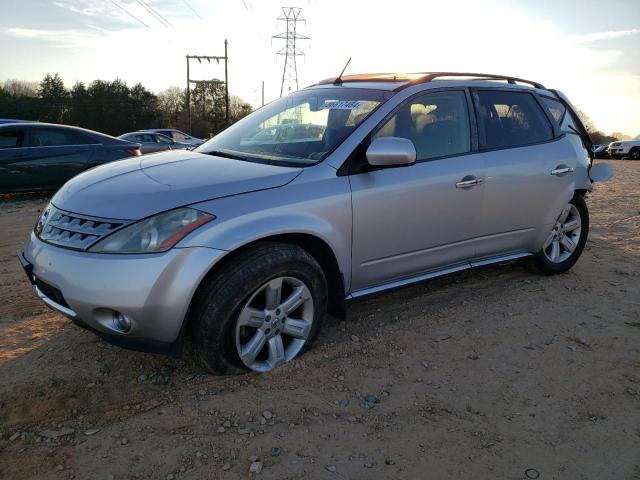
(219, 153)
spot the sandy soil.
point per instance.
(490, 374)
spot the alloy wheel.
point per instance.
(274, 324)
(563, 239)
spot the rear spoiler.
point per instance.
(581, 129)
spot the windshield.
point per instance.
(298, 130)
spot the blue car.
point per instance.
(43, 156)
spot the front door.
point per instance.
(413, 219)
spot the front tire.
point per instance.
(634, 154)
(564, 244)
(260, 310)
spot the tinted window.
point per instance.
(436, 123)
(163, 139)
(510, 119)
(168, 133)
(53, 137)
(145, 137)
(11, 138)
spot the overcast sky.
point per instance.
(590, 49)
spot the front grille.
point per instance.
(75, 231)
(51, 292)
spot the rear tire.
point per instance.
(566, 241)
(221, 327)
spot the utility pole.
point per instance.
(226, 84)
(208, 58)
(290, 15)
(188, 96)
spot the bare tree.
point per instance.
(170, 103)
(21, 88)
(586, 120)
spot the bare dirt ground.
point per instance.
(491, 374)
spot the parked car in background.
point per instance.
(42, 156)
(286, 133)
(176, 135)
(154, 142)
(627, 148)
(600, 151)
(247, 246)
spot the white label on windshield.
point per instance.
(341, 104)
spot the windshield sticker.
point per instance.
(341, 104)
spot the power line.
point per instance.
(245, 5)
(191, 8)
(129, 13)
(158, 16)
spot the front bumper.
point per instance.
(153, 290)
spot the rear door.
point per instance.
(413, 219)
(57, 154)
(529, 171)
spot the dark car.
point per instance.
(601, 151)
(42, 156)
(151, 142)
(12, 120)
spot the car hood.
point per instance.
(138, 187)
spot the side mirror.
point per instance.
(600, 172)
(391, 152)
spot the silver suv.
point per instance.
(380, 181)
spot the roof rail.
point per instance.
(430, 76)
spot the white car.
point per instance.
(627, 148)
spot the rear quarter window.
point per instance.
(11, 138)
(559, 112)
(555, 108)
(510, 119)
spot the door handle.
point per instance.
(561, 170)
(469, 182)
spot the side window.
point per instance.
(178, 135)
(11, 138)
(437, 124)
(163, 139)
(52, 137)
(510, 119)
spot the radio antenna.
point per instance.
(338, 80)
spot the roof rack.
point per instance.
(408, 79)
(374, 77)
(430, 76)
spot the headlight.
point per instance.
(154, 234)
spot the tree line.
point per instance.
(114, 108)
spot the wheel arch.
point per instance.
(318, 248)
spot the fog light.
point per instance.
(121, 322)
